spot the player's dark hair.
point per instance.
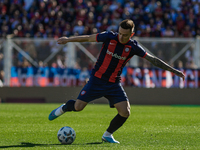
(127, 24)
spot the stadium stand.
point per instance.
(55, 18)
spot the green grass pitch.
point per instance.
(26, 126)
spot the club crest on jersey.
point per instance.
(126, 49)
(83, 92)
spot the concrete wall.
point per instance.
(143, 96)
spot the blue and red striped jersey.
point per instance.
(114, 56)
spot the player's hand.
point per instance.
(180, 74)
(62, 40)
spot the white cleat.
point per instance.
(109, 139)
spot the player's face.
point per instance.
(124, 35)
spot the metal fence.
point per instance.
(178, 52)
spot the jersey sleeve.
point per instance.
(103, 36)
(139, 50)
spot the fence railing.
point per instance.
(23, 52)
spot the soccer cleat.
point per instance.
(109, 139)
(53, 116)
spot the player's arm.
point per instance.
(161, 64)
(82, 38)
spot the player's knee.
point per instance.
(126, 113)
(78, 107)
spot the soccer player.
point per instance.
(117, 50)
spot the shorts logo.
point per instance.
(126, 49)
(83, 92)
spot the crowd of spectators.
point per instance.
(55, 18)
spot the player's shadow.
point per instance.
(27, 144)
(24, 144)
(95, 143)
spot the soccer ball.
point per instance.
(66, 135)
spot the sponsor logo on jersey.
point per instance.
(115, 55)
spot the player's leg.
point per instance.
(70, 105)
(87, 94)
(73, 105)
(117, 98)
(123, 109)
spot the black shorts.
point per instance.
(97, 88)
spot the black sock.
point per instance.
(69, 106)
(116, 123)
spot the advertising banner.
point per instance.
(136, 77)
